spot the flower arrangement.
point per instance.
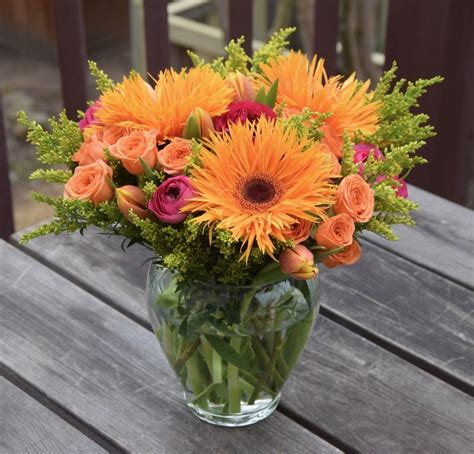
(241, 172)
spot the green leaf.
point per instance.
(148, 172)
(260, 98)
(272, 95)
(228, 354)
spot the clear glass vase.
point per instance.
(232, 348)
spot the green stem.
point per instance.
(297, 337)
(233, 384)
(167, 342)
(187, 353)
(195, 379)
(216, 371)
(206, 352)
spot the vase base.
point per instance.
(249, 414)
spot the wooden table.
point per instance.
(389, 367)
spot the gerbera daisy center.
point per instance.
(258, 192)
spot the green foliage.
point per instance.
(307, 124)
(74, 215)
(196, 59)
(398, 124)
(56, 146)
(272, 49)
(102, 81)
(51, 175)
(347, 162)
(237, 59)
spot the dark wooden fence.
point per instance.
(426, 37)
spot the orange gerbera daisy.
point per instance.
(257, 181)
(135, 104)
(305, 84)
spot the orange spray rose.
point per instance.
(90, 182)
(348, 256)
(356, 198)
(138, 144)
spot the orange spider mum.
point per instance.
(257, 181)
(136, 105)
(305, 84)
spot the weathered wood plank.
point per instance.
(419, 312)
(406, 395)
(443, 239)
(27, 426)
(408, 306)
(107, 370)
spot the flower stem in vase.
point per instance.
(233, 383)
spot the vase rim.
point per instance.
(231, 287)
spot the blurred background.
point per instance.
(426, 37)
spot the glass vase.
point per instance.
(232, 348)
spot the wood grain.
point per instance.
(442, 241)
(408, 306)
(28, 426)
(352, 373)
(107, 370)
(417, 311)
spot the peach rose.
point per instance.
(300, 231)
(138, 144)
(90, 182)
(110, 134)
(336, 232)
(356, 198)
(348, 256)
(90, 151)
(175, 156)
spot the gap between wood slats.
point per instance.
(433, 270)
(89, 431)
(376, 339)
(321, 433)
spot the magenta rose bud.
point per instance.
(89, 117)
(169, 198)
(402, 189)
(242, 111)
(362, 152)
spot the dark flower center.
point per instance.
(258, 191)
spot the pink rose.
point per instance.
(169, 198)
(242, 111)
(89, 118)
(402, 190)
(362, 152)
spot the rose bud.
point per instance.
(131, 198)
(402, 189)
(169, 198)
(174, 157)
(362, 152)
(89, 117)
(298, 262)
(242, 87)
(198, 125)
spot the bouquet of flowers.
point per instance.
(241, 175)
